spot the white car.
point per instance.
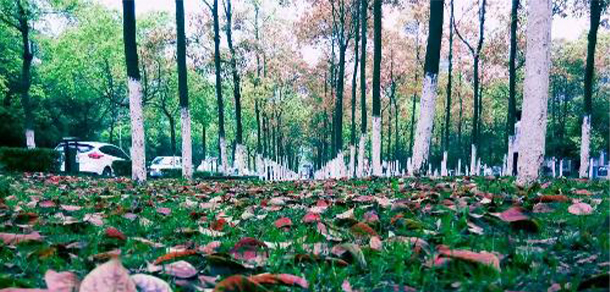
(164, 163)
(94, 157)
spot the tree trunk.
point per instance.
(172, 131)
(449, 77)
(352, 150)
(26, 77)
(421, 148)
(185, 116)
(536, 87)
(339, 101)
(223, 161)
(203, 142)
(512, 71)
(589, 72)
(363, 116)
(138, 153)
(414, 98)
(258, 127)
(376, 143)
(239, 157)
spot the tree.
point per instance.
(239, 158)
(219, 101)
(138, 153)
(18, 15)
(376, 139)
(512, 71)
(185, 116)
(595, 12)
(421, 147)
(476, 55)
(445, 143)
(535, 90)
(363, 115)
(352, 149)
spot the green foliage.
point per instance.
(28, 160)
(121, 168)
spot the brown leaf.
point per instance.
(551, 198)
(284, 279)
(483, 257)
(210, 248)
(218, 225)
(580, 209)
(513, 214)
(582, 192)
(238, 283)
(311, 217)
(375, 243)
(108, 277)
(361, 229)
(250, 250)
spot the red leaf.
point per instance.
(250, 249)
(375, 243)
(115, 233)
(174, 255)
(218, 225)
(164, 211)
(283, 222)
(311, 217)
(210, 248)
(371, 217)
(582, 192)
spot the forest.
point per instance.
(295, 81)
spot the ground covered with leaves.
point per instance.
(462, 234)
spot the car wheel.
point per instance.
(107, 172)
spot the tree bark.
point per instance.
(352, 150)
(26, 76)
(421, 148)
(536, 87)
(588, 92)
(449, 79)
(239, 157)
(363, 115)
(512, 71)
(376, 143)
(223, 161)
(185, 116)
(203, 142)
(138, 153)
(414, 97)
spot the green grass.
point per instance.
(524, 266)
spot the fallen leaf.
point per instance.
(108, 277)
(210, 248)
(375, 243)
(12, 239)
(551, 198)
(311, 217)
(174, 255)
(483, 257)
(285, 279)
(115, 233)
(148, 283)
(513, 214)
(283, 222)
(238, 283)
(361, 229)
(164, 211)
(61, 282)
(180, 269)
(580, 209)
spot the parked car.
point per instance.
(162, 164)
(93, 157)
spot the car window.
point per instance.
(82, 148)
(113, 151)
(157, 160)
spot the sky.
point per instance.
(568, 28)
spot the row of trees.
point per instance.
(284, 107)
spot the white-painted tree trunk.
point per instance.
(444, 164)
(138, 149)
(554, 164)
(510, 157)
(376, 146)
(187, 145)
(473, 159)
(535, 91)
(361, 158)
(30, 142)
(560, 167)
(410, 166)
(224, 161)
(352, 160)
(585, 146)
(240, 161)
(423, 133)
(459, 167)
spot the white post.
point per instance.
(561, 167)
(554, 164)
